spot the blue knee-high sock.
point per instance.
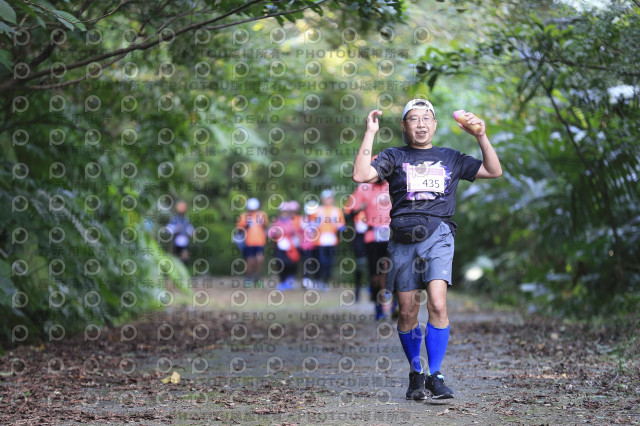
(411, 341)
(436, 341)
(379, 311)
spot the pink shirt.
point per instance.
(310, 234)
(377, 209)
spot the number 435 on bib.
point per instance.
(425, 178)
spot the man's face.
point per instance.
(419, 125)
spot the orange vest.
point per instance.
(329, 220)
(255, 223)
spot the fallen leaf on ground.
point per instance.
(174, 378)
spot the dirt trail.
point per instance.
(255, 356)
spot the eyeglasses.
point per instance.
(416, 120)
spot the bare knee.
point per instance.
(407, 316)
(437, 307)
(407, 319)
(438, 312)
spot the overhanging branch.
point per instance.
(9, 83)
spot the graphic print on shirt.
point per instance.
(426, 181)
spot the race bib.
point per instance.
(381, 233)
(425, 178)
(284, 244)
(182, 240)
(328, 239)
(361, 227)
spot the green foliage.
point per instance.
(212, 103)
(7, 13)
(96, 152)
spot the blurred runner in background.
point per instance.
(182, 231)
(354, 212)
(284, 232)
(373, 199)
(252, 226)
(330, 221)
(308, 240)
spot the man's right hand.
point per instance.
(363, 171)
(372, 121)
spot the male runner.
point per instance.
(423, 179)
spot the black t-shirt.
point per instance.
(436, 168)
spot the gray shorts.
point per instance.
(412, 266)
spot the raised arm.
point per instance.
(490, 167)
(363, 171)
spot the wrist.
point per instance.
(482, 138)
(370, 132)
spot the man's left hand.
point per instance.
(476, 126)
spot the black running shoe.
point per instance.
(416, 386)
(435, 384)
